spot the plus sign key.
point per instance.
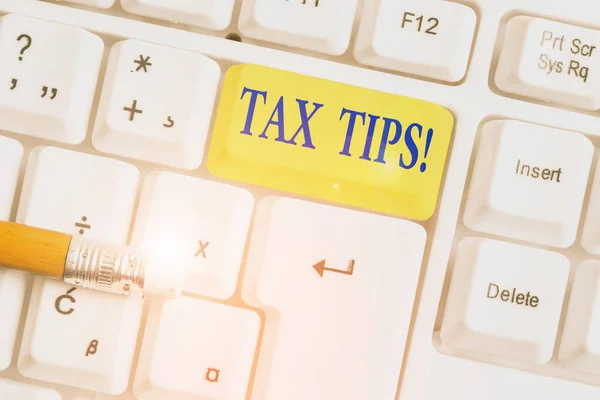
(156, 104)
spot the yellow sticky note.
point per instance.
(330, 141)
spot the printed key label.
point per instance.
(331, 141)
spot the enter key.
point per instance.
(330, 141)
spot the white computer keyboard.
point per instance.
(315, 270)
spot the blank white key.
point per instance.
(195, 349)
(79, 337)
(529, 182)
(11, 153)
(337, 287)
(12, 284)
(211, 14)
(49, 78)
(320, 25)
(590, 238)
(580, 347)
(198, 223)
(505, 300)
(10, 390)
(551, 61)
(156, 104)
(431, 39)
(12, 294)
(92, 3)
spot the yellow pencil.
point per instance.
(82, 262)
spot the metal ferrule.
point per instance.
(114, 269)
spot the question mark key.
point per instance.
(48, 79)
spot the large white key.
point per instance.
(79, 337)
(580, 347)
(431, 39)
(551, 61)
(156, 104)
(10, 390)
(195, 349)
(12, 284)
(49, 73)
(92, 3)
(320, 25)
(211, 14)
(505, 300)
(529, 182)
(199, 223)
(337, 287)
(590, 238)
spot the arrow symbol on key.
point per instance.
(320, 268)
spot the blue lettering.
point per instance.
(384, 137)
(367, 150)
(412, 147)
(279, 122)
(350, 131)
(251, 107)
(304, 126)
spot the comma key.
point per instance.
(497, 304)
(529, 182)
(52, 70)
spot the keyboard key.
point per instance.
(529, 182)
(211, 14)
(318, 25)
(11, 153)
(12, 284)
(580, 347)
(78, 193)
(79, 337)
(93, 3)
(199, 223)
(49, 73)
(430, 39)
(75, 336)
(550, 61)
(22, 391)
(334, 278)
(499, 304)
(194, 349)
(12, 294)
(156, 104)
(331, 141)
(590, 238)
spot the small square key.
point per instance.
(319, 25)
(156, 104)
(48, 77)
(11, 390)
(431, 39)
(505, 300)
(195, 349)
(211, 14)
(198, 223)
(529, 182)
